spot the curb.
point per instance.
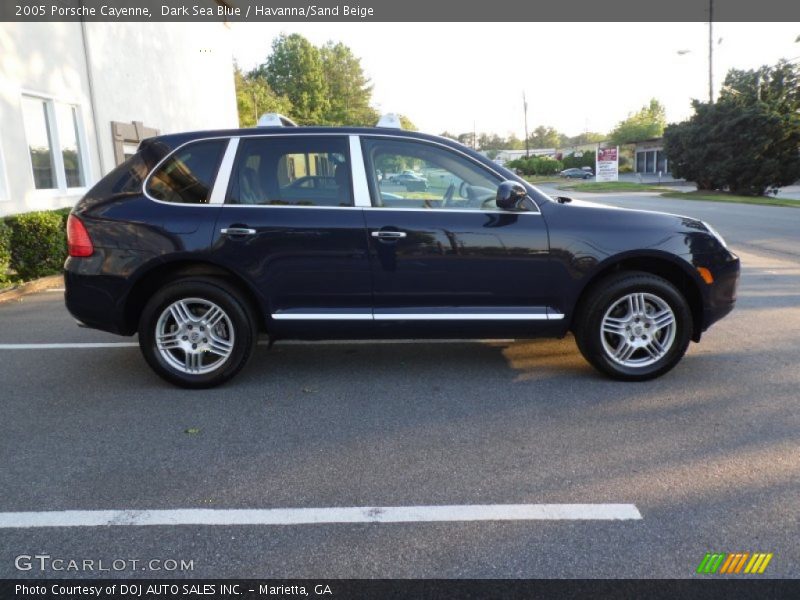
(37, 285)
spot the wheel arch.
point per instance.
(157, 276)
(678, 272)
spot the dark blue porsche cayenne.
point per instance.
(202, 241)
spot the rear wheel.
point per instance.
(197, 332)
(634, 326)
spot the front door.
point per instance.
(440, 248)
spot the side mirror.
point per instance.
(509, 195)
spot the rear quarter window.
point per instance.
(187, 176)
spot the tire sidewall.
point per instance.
(590, 332)
(219, 294)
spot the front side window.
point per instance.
(55, 143)
(408, 174)
(292, 171)
(187, 176)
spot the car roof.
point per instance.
(174, 140)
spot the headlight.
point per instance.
(716, 234)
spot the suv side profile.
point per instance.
(203, 241)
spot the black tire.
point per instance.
(240, 323)
(594, 344)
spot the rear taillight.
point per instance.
(78, 241)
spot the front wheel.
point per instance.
(196, 333)
(634, 326)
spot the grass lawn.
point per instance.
(611, 186)
(725, 197)
(541, 178)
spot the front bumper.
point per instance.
(720, 297)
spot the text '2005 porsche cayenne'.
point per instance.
(203, 241)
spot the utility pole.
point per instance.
(525, 108)
(710, 51)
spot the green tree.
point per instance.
(295, 70)
(254, 97)
(407, 123)
(745, 149)
(776, 86)
(514, 143)
(649, 122)
(545, 137)
(349, 89)
(468, 139)
(588, 137)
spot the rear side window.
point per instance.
(187, 176)
(297, 171)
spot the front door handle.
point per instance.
(388, 235)
(237, 231)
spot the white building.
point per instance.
(76, 98)
(505, 156)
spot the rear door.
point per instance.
(289, 226)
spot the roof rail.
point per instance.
(275, 120)
(391, 120)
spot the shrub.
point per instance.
(5, 251)
(38, 243)
(537, 165)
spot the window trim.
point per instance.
(350, 158)
(464, 155)
(61, 188)
(358, 184)
(217, 172)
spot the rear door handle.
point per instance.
(237, 231)
(388, 235)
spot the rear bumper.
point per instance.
(92, 298)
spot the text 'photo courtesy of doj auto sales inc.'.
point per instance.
(166, 590)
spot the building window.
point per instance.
(40, 142)
(3, 188)
(55, 143)
(69, 140)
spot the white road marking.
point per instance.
(89, 345)
(52, 290)
(311, 516)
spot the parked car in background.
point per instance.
(410, 180)
(576, 173)
(203, 241)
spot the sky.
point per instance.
(576, 76)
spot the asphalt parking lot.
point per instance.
(709, 454)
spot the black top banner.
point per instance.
(399, 10)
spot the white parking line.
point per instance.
(89, 345)
(312, 516)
